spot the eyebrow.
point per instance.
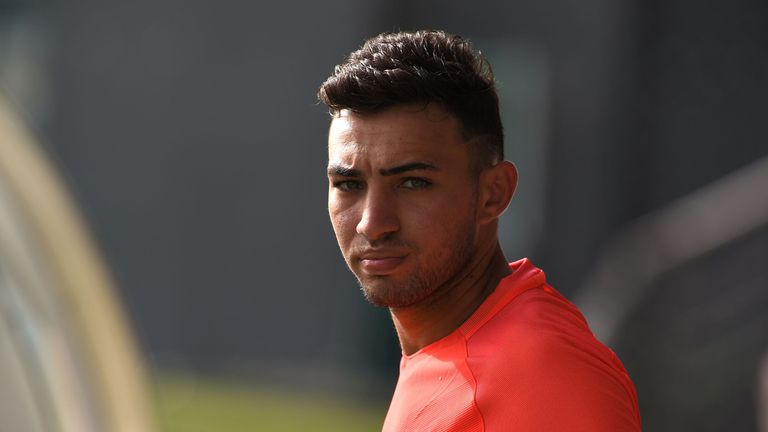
(342, 171)
(413, 166)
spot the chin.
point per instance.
(392, 293)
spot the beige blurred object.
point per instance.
(68, 360)
(762, 394)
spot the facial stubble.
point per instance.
(425, 284)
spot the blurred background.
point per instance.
(189, 136)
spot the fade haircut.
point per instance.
(422, 67)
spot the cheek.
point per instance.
(439, 224)
(443, 213)
(344, 223)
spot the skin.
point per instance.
(417, 225)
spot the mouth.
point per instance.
(380, 265)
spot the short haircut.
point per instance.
(427, 66)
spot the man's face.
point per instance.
(402, 200)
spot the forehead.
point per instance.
(395, 134)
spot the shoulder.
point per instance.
(532, 324)
(537, 364)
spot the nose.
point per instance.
(379, 216)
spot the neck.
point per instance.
(421, 324)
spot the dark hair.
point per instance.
(422, 67)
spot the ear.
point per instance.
(497, 185)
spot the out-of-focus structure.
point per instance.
(67, 359)
(688, 229)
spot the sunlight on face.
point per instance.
(402, 201)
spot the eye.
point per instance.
(348, 185)
(415, 183)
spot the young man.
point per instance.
(417, 182)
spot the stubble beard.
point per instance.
(424, 284)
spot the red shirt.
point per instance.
(524, 361)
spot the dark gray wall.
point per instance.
(190, 133)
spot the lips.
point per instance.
(380, 262)
(381, 266)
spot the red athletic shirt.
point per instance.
(524, 361)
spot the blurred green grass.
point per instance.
(194, 404)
